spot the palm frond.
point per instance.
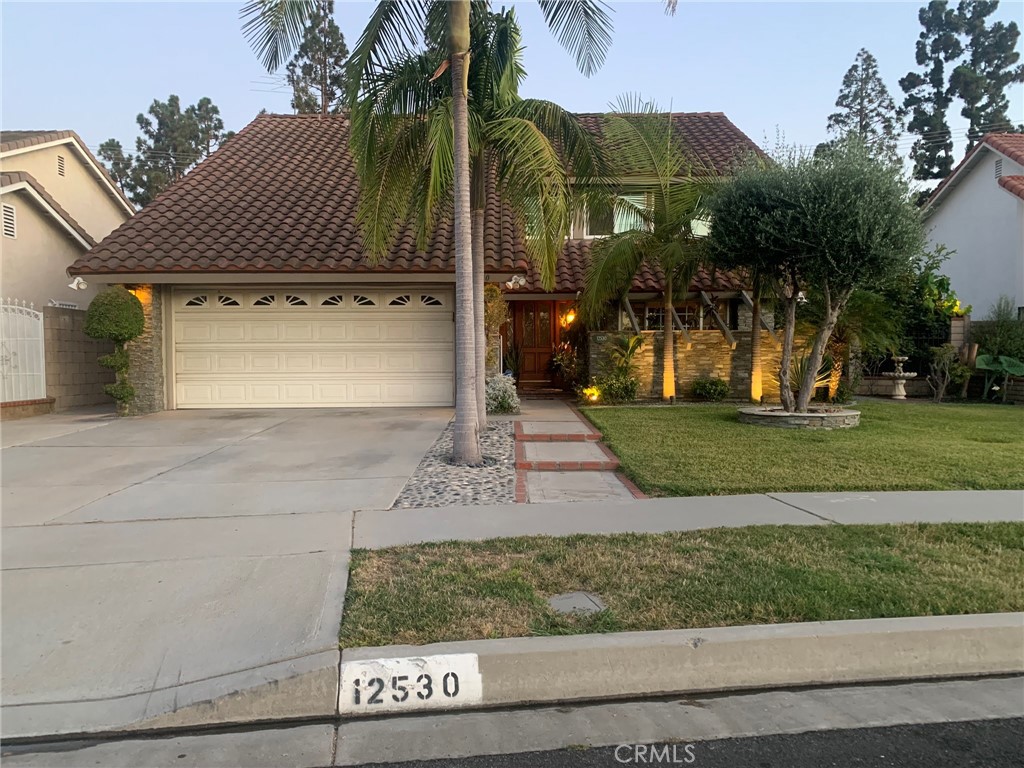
(532, 181)
(390, 184)
(394, 27)
(616, 260)
(583, 27)
(274, 28)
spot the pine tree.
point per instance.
(117, 163)
(928, 96)
(982, 79)
(317, 72)
(866, 108)
(172, 142)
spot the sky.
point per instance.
(774, 68)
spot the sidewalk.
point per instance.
(378, 529)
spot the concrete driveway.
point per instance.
(182, 567)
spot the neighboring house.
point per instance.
(58, 202)
(258, 292)
(978, 211)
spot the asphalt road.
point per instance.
(990, 743)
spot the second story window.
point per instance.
(610, 222)
(60, 165)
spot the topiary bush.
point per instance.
(116, 315)
(711, 389)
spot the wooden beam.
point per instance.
(718, 320)
(687, 341)
(629, 312)
(764, 323)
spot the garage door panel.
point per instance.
(346, 352)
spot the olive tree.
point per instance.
(829, 224)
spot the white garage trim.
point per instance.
(314, 346)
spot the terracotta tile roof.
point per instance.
(571, 273)
(20, 139)
(281, 197)
(710, 137)
(1013, 184)
(1009, 144)
(10, 178)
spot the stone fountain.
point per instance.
(899, 390)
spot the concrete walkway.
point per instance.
(374, 530)
(559, 457)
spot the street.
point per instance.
(926, 724)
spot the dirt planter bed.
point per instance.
(776, 417)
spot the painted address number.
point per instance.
(445, 681)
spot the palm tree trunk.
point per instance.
(756, 385)
(467, 427)
(478, 203)
(668, 376)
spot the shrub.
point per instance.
(618, 387)
(501, 395)
(946, 371)
(712, 389)
(622, 352)
(116, 315)
(1001, 333)
(844, 393)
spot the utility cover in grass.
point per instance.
(577, 602)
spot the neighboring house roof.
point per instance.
(16, 142)
(1013, 184)
(13, 181)
(281, 197)
(1010, 145)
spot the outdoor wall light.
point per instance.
(517, 281)
(78, 284)
(568, 318)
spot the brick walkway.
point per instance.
(559, 457)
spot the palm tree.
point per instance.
(522, 148)
(274, 28)
(660, 220)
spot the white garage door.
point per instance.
(274, 347)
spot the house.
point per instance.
(257, 292)
(978, 211)
(57, 203)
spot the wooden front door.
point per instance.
(535, 330)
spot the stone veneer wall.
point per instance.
(146, 353)
(710, 356)
(73, 377)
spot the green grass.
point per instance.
(719, 577)
(703, 450)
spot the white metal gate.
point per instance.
(22, 356)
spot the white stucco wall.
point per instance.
(984, 224)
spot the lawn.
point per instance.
(719, 577)
(702, 450)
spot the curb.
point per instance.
(545, 670)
